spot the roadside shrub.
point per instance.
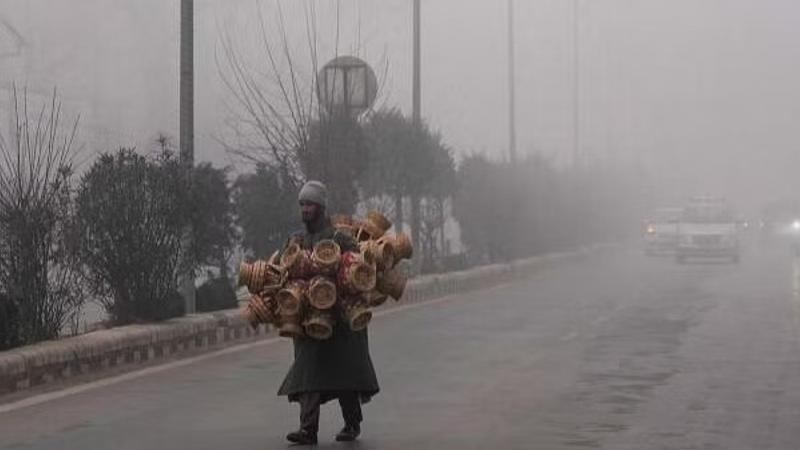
(39, 273)
(132, 213)
(216, 294)
(9, 321)
(266, 210)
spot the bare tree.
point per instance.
(277, 118)
(39, 272)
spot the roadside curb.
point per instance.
(130, 347)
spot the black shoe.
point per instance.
(348, 433)
(302, 437)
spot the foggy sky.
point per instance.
(702, 94)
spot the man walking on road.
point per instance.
(336, 368)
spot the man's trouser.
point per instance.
(309, 409)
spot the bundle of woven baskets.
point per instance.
(304, 292)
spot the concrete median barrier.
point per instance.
(129, 347)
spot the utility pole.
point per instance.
(576, 118)
(417, 121)
(187, 129)
(512, 112)
(417, 107)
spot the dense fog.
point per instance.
(699, 94)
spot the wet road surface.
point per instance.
(612, 351)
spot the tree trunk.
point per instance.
(415, 219)
(398, 212)
(442, 220)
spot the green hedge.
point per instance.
(9, 322)
(216, 294)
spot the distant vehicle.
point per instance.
(780, 223)
(661, 231)
(707, 229)
(786, 230)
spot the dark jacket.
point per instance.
(340, 363)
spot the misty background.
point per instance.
(701, 95)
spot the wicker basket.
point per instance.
(321, 293)
(401, 245)
(297, 262)
(392, 283)
(250, 315)
(290, 329)
(357, 316)
(260, 310)
(290, 298)
(344, 224)
(380, 252)
(341, 221)
(326, 256)
(375, 298)
(379, 220)
(366, 230)
(355, 274)
(373, 227)
(260, 276)
(319, 324)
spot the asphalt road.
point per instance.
(613, 351)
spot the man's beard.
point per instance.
(310, 218)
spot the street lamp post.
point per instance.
(512, 119)
(576, 130)
(187, 131)
(417, 88)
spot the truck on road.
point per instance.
(707, 229)
(661, 231)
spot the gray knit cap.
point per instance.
(314, 191)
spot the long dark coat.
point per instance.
(338, 364)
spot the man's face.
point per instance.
(309, 210)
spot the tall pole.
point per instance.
(417, 107)
(512, 111)
(187, 83)
(576, 51)
(417, 121)
(187, 127)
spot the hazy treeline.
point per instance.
(509, 210)
(115, 233)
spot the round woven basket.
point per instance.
(250, 315)
(297, 261)
(321, 293)
(379, 220)
(392, 283)
(344, 224)
(341, 221)
(290, 330)
(380, 251)
(259, 276)
(357, 317)
(274, 258)
(319, 325)
(326, 256)
(367, 230)
(375, 298)
(290, 298)
(262, 309)
(402, 246)
(355, 274)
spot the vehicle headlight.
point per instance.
(796, 225)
